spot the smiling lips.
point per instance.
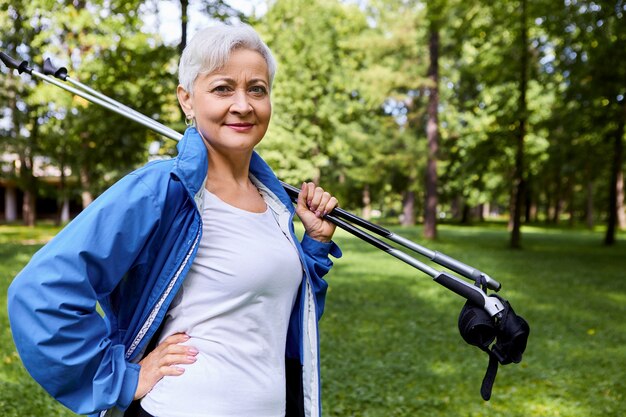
(240, 127)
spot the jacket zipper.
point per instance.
(148, 323)
(309, 333)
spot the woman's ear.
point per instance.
(184, 98)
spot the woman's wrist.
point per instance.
(320, 238)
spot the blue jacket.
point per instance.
(128, 253)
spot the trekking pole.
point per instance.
(22, 67)
(437, 257)
(61, 73)
(492, 305)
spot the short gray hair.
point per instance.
(210, 49)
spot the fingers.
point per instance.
(172, 357)
(170, 352)
(163, 361)
(313, 204)
(316, 199)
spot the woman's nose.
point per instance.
(241, 103)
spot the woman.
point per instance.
(210, 303)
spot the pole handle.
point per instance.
(15, 64)
(346, 215)
(492, 305)
(50, 69)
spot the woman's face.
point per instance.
(232, 105)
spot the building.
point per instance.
(48, 203)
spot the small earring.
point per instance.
(189, 120)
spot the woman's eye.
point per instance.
(221, 89)
(258, 90)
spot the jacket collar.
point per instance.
(192, 163)
(261, 171)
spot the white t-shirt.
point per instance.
(235, 305)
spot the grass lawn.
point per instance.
(390, 344)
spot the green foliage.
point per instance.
(100, 46)
(318, 107)
(350, 96)
(586, 47)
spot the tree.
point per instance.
(100, 43)
(496, 109)
(432, 126)
(590, 52)
(397, 81)
(23, 135)
(322, 117)
(519, 181)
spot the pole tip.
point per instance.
(493, 284)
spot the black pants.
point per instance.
(135, 410)
(143, 413)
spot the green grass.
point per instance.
(390, 344)
(20, 396)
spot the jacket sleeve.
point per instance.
(318, 262)
(62, 340)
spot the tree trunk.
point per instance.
(455, 210)
(29, 190)
(367, 203)
(569, 195)
(11, 212)
(28, 209)
(518, 177)
(547, 208)
(589, 210)
(408, 209)
(184, 20)
(533, 212)
(616, 168)
(86, 195)
(528, 202)
(10, 204)
(621, 215)
(29, 181)
(558, 203)
(432, 133)
(62, 200)
(466, 214)
(485, 211)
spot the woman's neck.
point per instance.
(228, 171)
(228, 179)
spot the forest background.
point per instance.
(407, 110)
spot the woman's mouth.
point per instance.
(240, 127)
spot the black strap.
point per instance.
(490, 377)
(509, 331)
